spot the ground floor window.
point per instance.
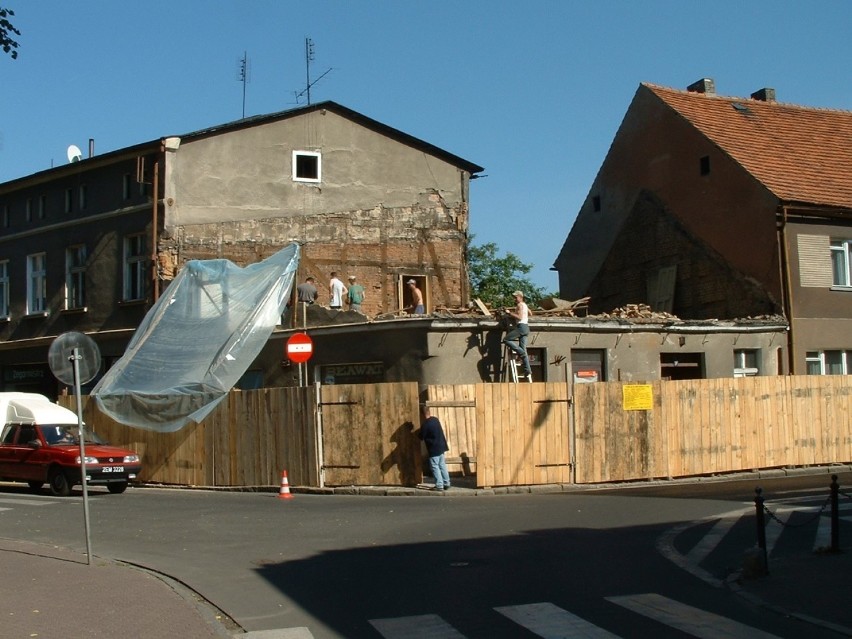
(746, 363)
(682, 366)
(829, 362)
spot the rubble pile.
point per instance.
(637, 311)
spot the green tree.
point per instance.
(493, 279)
(9, 45)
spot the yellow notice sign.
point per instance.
(637, 397)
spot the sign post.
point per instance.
(299, 349)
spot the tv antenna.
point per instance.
(309, 55)
(244, 76)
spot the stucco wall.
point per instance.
(246, 173)
(459, 352)
(383, 210)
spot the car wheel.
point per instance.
(117, 488)
(35, 485)
(59, 484)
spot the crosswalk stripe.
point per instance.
(712, 538)
(550, 621)
(693, 621)
(416, 627)
(774, 532)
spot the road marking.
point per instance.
(823, 533)
(26, 502)
(712, 538)
(416, 627)
(693, 621)
(550, 621)
(300, 632)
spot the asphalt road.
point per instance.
(336, 564)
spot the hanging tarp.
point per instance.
(197, 340)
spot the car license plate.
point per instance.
(113, 469)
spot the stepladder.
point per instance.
(511, 362)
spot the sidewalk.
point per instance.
(52, 593)
(813, 587)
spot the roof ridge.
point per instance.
(750, 100)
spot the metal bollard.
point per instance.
(761, 527)
(835, 517)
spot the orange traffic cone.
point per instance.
(284, 493)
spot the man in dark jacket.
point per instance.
(436, 445)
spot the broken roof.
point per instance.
(801, 154)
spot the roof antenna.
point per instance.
(244, 76)
(309, 55)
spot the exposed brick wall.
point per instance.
(706, 286)
(378, 246)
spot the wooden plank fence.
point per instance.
(503, 434)
(702, 427)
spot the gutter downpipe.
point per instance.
(786, 288)
(155, 256)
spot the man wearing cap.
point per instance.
(356, 294)
(516, 339)
(416, 307)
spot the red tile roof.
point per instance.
(801, 154)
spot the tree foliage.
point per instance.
(493, 279)
(7, 29)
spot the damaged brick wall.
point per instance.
(706, 287)
(379, 246)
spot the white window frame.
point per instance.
(75, 277)
(37, 284)
(310, 154)
(841, 264)
(135, 260)
(4, 289)
(819, 361)
(741, 362)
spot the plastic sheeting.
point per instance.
(196, 341)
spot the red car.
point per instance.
(40, 443)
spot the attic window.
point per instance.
(704, 165)
(742, 108)
(307, 166)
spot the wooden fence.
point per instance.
(503, 434)
(702, 427)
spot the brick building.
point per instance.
(724, 207)
(90, 245)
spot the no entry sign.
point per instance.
(299, 348)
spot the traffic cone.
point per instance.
(284, 493)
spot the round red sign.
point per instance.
(299, 348)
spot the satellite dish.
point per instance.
(61, 353)
(74, 153)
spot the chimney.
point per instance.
(704, 85)
(764, 95)
(91, 147)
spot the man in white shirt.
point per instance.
(516, 339)
(336, 291)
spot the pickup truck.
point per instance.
(40, 443)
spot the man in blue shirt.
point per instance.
(432, 435)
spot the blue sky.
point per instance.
(532, 90)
